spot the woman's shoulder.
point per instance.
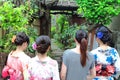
(113, 51)
(112, 48)
(52, 61)
(24, 58)
(21, 56)
(24, 55)
(90, 55)
(94, 51)
(67, 52)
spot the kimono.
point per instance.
(107, 63)
(16, 66)
(43, 70)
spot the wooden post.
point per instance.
(45, 23)
(92, 39)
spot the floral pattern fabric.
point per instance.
(16, 65)
(43, 70)
(107, 57)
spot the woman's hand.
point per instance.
(92, 74)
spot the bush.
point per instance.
(13, 20)
(99, 12)
(66, 38)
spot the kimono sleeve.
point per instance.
(56, 72)
(116, 63)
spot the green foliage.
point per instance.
(13, 20)
(99, 11)
(10, 16)
(53, 31)
(66, 38)
(32, 33)
(36, 7)
(64, 35)
(61, 20)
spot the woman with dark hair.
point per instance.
(107, 60)
(77, 63)
(17, 60)
(42, 67)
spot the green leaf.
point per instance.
(96, 11)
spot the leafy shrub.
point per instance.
(65, 39)
(13, 20)
(99, 12)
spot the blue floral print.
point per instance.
(109, 56)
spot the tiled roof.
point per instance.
(69, 5)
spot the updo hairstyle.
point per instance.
(42, 44)
(103, 33)
(21, 37)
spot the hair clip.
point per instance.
(13, 38)
(34, 46)
(99, 35)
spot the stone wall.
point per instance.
(115, 27)
(116, 38)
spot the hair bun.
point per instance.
(43, 42)
(20, 38)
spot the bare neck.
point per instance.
(104, 46)
(42, 56)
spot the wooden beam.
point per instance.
(67, 13)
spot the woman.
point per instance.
(42, 67)
(17, 60)
(77, 63)
(107, 59)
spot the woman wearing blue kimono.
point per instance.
(107, 60)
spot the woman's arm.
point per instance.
(92, 74)
(63, 71)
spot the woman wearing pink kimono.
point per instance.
(17, 60)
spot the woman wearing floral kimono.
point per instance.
(107, 59)
(42, 67)
(17, 60)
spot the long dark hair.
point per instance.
(81, 37)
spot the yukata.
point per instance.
(43, 70)
(16, 65)
(106, 57)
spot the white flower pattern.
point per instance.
(43, 70)
(109, 56)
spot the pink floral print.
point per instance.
(43, 70)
